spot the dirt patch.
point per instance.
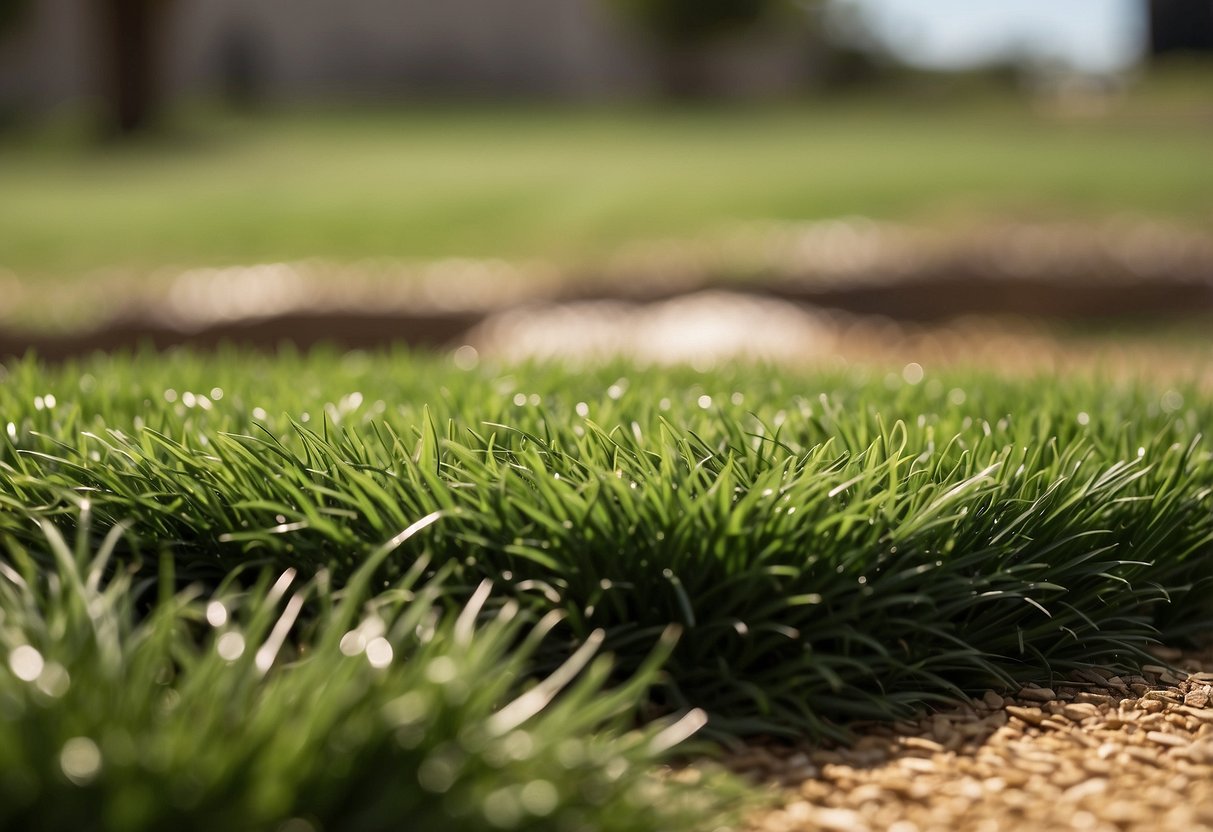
(780, 278)
(303, 329)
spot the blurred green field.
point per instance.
(574, 184)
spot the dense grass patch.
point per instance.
(834, 545)
(288, 704)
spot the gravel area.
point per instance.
(1096, 752)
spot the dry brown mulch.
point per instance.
(1097, 753)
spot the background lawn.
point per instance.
(570, 184)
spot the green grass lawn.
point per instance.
(241, 590)
(573, 184)
(342, 592)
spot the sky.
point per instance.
(1088, 35)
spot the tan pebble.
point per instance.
(866, 793)
(922, 744)
(994, 784)
(1037, 694)
(970, 789)
(1178, 783)
(1150, 706)
(1035, 768)
(813, 789)
(1087, 697)
(1078, 711)
(1150, 722)
(1202, 714)
(1141, 754)
(798, 811)
(1201, 752)
(1163, 695)
(919, 764)
(990, 759)
(1085, 789)
(836, 771)
(839, 820)
(1199, 697)
(1180, 721)
(992, 700)
(1032, 716)
(1125, 812)
(1083, 738)
(1162, 738)
(1015, 777)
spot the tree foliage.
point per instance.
(689, 22)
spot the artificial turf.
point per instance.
(834, 544)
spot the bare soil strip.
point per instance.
(1095, 752)
(850, 269)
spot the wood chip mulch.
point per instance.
(1096, 752)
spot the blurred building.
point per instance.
(320, 48)
(1181, 26)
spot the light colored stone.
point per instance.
(1162, 738)
(1198, 697)
(1036, 694)
(1087, 788)
(1032, 716)
(839, 820)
